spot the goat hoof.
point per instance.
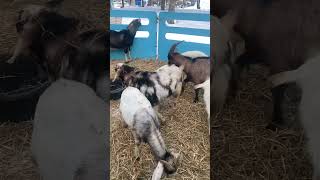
(136, 155)
(274, 127)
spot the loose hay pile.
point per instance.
(15, 155)
(186, 132)
(243, 149)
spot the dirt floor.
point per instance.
(243, 149)
(185, 130)
(15, 155)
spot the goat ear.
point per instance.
(167, 166)
(181, 67)
(177, 158)
(229, 20)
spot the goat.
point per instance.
(277, 33)
(69, 138)
(227, 46)
(307, 78)
(138, 114)
(62, 50)
(197, 69)
(124, 38)
(156, 86)
(206, 97)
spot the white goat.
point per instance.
(138, 114)
(69, 139)
(227, 47)
(307, 78)
(194, 54)
(206, 97)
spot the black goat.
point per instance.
(124, 38)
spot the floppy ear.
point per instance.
(167, 166)
(229, 20)
(128, 79)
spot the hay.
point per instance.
(185, 130)
(242, 148)
(15, 155)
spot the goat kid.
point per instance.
(69, 133)
(138, 114)
(197, 69)
(227, 48)
(307, 78)
(124, 38)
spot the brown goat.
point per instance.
(62, 49)
(279, 33)
(197, 69)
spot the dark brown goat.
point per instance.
(62, 49)
(197, 69)
(279, 33)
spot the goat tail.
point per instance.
(202, 85)
(283, 77)
(173, 48)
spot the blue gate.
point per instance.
(142, 48)
(165, 44)
(156, 45)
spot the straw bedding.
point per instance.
(15, 155)
(244, 149)
(185, 130)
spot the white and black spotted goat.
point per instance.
(138, 114)
(156, 86)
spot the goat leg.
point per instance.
(196, 98)
(126, 57)
(278, 97)
(17, 50)
(156, 109)
(235, 74)
(129, 53)
(136, 146)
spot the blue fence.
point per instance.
(144, 48)
(165, 44)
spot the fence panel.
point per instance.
(164, 44)
(142, 48)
